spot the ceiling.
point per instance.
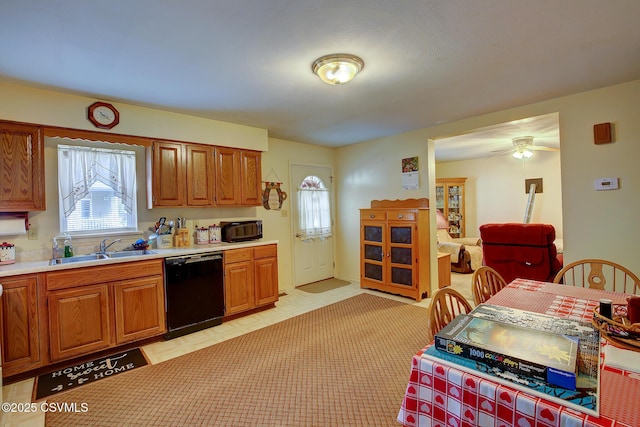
(249, 61)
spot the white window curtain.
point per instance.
(80, 167)
(314, 209)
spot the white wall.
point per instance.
(372, 171)
(598, 224)
(495, 189)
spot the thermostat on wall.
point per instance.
(606, 184)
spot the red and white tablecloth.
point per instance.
(439, 395)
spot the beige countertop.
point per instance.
(45, 266)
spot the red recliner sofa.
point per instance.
(523, 251)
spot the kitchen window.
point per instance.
(97, 189)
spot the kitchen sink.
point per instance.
(79, 258)
(120, 254)
(99, 255)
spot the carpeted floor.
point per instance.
(346, 364)
(323, 285)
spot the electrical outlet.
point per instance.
(32, 234)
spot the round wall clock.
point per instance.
(103, 115)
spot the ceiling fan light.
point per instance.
(337, 69)
(522, 153)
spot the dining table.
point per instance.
(441, 394)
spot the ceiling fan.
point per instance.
(523, 146)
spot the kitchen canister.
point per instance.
(214, 234)
(7, 253)
(202, 236)
(164, 241)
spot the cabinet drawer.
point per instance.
(401, 216)
(373, 215)
(102, 274)
(237, 255)
(267, 251)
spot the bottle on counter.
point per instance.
(60, 243)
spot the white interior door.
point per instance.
(312, 257)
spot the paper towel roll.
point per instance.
(12, 226)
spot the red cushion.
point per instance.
(522, 251)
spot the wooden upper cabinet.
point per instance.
(169, 183)
(228, 177)
(21, 168)
(200, 175)
(182, 175)
(251, 178)
(238, 177)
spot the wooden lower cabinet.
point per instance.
(250, 278)
(79, 321)
(127, 304)
(238, 281)
(19, 326)
(139, 309)
(266, 274)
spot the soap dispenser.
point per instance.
(62, 246)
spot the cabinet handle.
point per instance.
(372, 216)
(400, 216)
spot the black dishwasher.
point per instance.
(194, 293)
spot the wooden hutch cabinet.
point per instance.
(22, 166)
(450, 201)
(394, 247)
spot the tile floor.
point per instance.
(294, 303)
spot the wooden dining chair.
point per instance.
(485, 283)
(599, 274)
(446, 303)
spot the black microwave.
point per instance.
(241, 231)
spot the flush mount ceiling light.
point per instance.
(338, 68)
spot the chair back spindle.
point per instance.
(486, 282)
(599, 274)
(446, 304)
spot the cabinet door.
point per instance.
(200, 175)
(79, 321)
(266, 280)
(455, 209)
(251, 178)
(169, 179)
(19, 325)
(402, 254)
(139, 309)
(227, 177)
(238, 287)
(21, 168)
(373, 251)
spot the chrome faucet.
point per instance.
(104, 246)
